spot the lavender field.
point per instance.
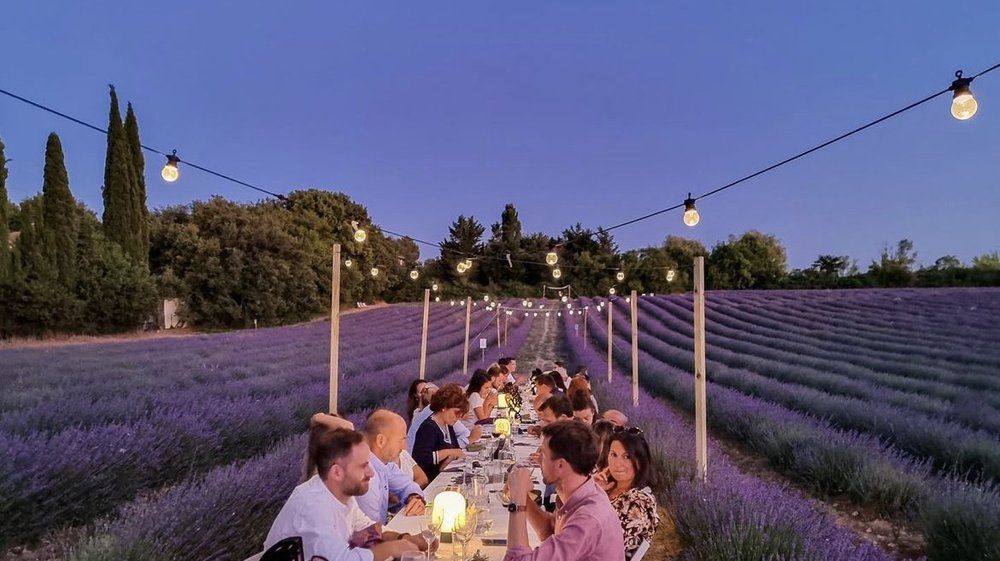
(158, 448)
(890, 398)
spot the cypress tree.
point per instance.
(118, 178)
(5, 260)
(59, 213)
(140, 213)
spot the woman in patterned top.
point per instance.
(624, 472)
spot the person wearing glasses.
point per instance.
(625, 474)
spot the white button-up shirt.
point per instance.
(388, 479)
(323, 522)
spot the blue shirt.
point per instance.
(388, 478)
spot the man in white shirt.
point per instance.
(323, 510)
(385, 433)
(509, 365)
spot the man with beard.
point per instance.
(323, 511)
(584, 527)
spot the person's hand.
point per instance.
(491, 400)
(417, 541)
(476, 433)
(535, 430)
(604, 480)
(519, 483)
(415, 506)
(455, 453)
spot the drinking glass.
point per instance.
(431, 532)
(466, 529)
(413, 556)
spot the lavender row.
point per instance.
(734, 516)
(959, 520)
(948, 445)
(852, 318)
(226, 514)
(135, 401)
(884, 368)
(735, 349)
(78, 474)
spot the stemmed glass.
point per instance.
(465, 529)
(431, 532)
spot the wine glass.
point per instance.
(465, 529)
(430, 530)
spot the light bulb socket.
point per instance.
(173, 159)
(688, 203)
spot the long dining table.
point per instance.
(495, 537)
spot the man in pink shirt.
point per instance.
(584, 527)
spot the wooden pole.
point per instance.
(335, 330)
(423, 336)
(585, 328)
(635, 350)
(611, 315)
(468, 319)
(499, 311)
(700, 376)
(506, 320)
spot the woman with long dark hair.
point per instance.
(626, 475)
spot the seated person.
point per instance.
(323, 510)
(545, 387)
(436, 443)
(466, 435)
(615, 417)
(558, 379)
(509, 366)
(321, 420)
(585, 526)
(413, 398)
(482, 398)
(626, 475)
(409, 465)
(385, 433)
(581, 385)
(497, 377)
(583, 408)
(555, 408)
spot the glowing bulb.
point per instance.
(556, 273)
(437, 298)
(170, 171)
(620, 275)
(468, 263)
(374, 271)
(551, 258)
(534, 314)
(963, 104)
(525, 314)
(691, 216)
(414, 274)
(670, 275)
(434, 287)
(559, 314)
(486, 298)
(360, 235)
(452, 303)
(461, 267)
(564, 298)
(348, 263)
(524, 303)
(612, 291)
(628, 299)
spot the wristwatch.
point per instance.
(512, 508)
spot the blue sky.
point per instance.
(575, 111)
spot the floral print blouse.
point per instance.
(637, 512)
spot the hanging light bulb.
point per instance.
(414, 274)
(348, 263)
(374, 271)
(360, 235)
(612, 291)
(468, 263)
(451, 303)
(620, 275)
(525, 314)
(569, 306)
(170, 171)
(486, 298)
(461, 267)
(963, 103)
(556, 273)
(670, 275)
(551, 258)
(434, 287)
(564, 298)
(628, 299)
(534, 314)
(559, 314)
(437, 298)
(691, 216)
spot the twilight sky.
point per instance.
(590, 112)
